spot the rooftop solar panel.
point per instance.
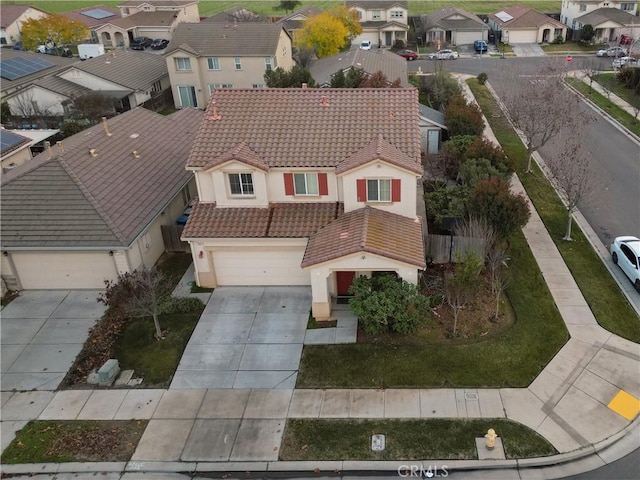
(19, 67)
(8, 140)
(97, 13)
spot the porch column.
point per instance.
(321, 300)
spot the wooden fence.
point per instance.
(171, 238)
(448, 248)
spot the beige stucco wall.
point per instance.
(48, 101)
(571, 9)
(275, 186)
(381, 170)
(13, 32)
(214, 187)
(16, 158)
(189, 13)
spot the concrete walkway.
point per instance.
(612, 97)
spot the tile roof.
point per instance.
(380, 148)
(62, 86)
(60, 64)
(525, 17)
(393, 66)
(91, 22)
(292, 128)
(234, 15)
(377, 4)
(441, 17)
(279, 220)
(144, 19)
(241, 153)
(156, 3)
(368, 230)
(9, 13)
(295, 20)
(602, 15)
(133, 70)
(75, 200)
(220, 39)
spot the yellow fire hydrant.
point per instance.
(491, 438)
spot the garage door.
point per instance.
(467, 38)
(63, 270)
(268, 266)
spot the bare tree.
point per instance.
(150, 296)
(591, 70)
(573, 173)
(480, 234)
(542, 110)
(497, 259)
(463, 284)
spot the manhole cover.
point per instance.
(377, 443)
(471, 396)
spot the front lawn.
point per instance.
(512, 358)
(319, 439)
(56, 441)
(600, 290)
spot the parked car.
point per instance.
(625, 252)
(159, 43)
(140, 43)
(444, 55)
(480, 46)
(366, 45)
(408, 54)
(625, 62)
(59, 51)
(612, 52)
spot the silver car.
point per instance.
(612, 52)
(444, 55)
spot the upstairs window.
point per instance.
(241, 184)
(583, 8)
(238, 62)
(213, 63)
(375, 15)
(183, 63)
(627, 7)
(301, 184)
(397, 14)
(267, 64)
(376, 190)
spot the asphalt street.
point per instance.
(615, 209)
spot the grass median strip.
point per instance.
(442, 439)
(602, 293)
(55, 441)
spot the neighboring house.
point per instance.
(235, 15)
(18, 146)
(184, 10)
(11, 19)
(609, 24)
(307, 187)
(47, 96)
(206, 56)
(572, 9)
(120, 32)
(383, 21)
(453, 26)
(92, 207)
(521, 24)
(94, 17)
(432, 126)
(391, 65)
(133, 78)
(294, 22)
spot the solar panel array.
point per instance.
(8, 140)
(97, 13)
(19, 67)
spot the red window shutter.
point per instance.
(395, 190)
(288, 184)
(362, 189)
(323, 186)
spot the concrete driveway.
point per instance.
(247, 337)
(42, 332)
(527, 50)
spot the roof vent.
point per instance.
(392, 115)
(93, 152)
(48, 147)
(134, 135)
(325, 101)
(304, 86)
(106, 126)
(344, 235)
(60, 147)
(135, 154)
(214, 113)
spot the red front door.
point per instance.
(344, 280)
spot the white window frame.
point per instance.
(267, 64)
(582, 8)
(397, 14)
(213, 63)
(186, 64)
(195, 96)
(379, 191)
(305, 179)
(627, 7)
(238, 63)
(376, 14)
(213, 86)
(243, 184)
(257, 85)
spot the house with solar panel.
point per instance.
(521, 24)
(11, 19)
(18, 146)
(307, 187)
(93, 17)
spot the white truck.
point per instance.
(90, 50)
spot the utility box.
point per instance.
(90, 50)
(108, 372)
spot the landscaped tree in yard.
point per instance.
(463, 118)
(355, 77)
(496, 260)
(387, 304)
(379, 80)
(338, 80)
(94, 105)
(288, 5)
(349, 18)
(587, 33)
(440, 87)
(463, 284)
(543, 109)
(323, 33)
(294, 78)
(54, 29)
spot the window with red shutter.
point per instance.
(395, 190)
(361, 184)
(288, 184)
(323, 185)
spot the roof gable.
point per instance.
(523, 17)
(9, 13)
(602, 15)
(295, 127)
(379, 149)
(240, 153)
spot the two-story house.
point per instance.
(609, 25)
(383, 21)
(572, 9)
(184, 10)
(203, 57)
(306, 187)
(11, 19)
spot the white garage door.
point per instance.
(467, 38)
(268, 266)
(63, 270)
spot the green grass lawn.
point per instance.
(56, 441)
(620, 115)
(267, 7)
(570, 46)
(319, 439)
(600, 290)
(627, 94)
(512, 358)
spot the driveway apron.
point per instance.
(247, 337)
(528, 50)
(42, 332)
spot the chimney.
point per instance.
(304, 86)
(214, 114)
(47, 145)
(106, 126)
(93, 153)
(135, 154)
(325, 101)
(60, 147)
